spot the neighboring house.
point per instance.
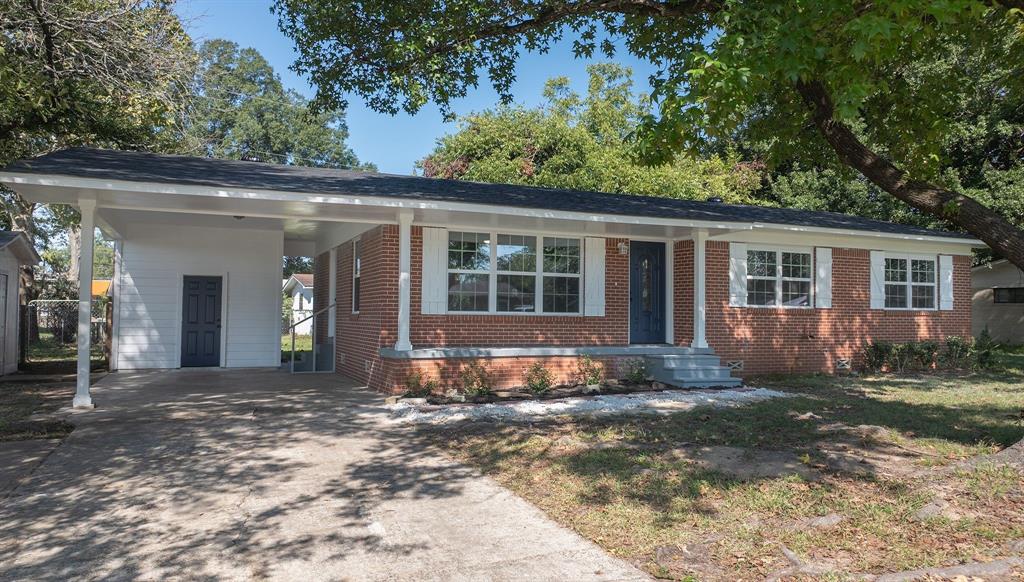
(299, 290)
(430, 273)
(100, 287)
(16, 251)
(998, 301)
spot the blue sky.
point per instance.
(394, 143)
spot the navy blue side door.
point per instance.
(200, 322)
(646, 292)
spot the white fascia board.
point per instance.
(96, 184)
(856, 233)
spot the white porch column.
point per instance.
(82, 397)
(700, 237)
(404, 278)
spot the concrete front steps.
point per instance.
(690, 368)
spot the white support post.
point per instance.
(83, 399)
(115, 297)
(700, 237)
(404, 278)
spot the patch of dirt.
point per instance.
(746, 464)
(689, 560)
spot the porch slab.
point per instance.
(259, 474)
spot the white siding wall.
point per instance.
(9, 267)
(157, 257)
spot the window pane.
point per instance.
(761, 292)
(1009, 295)
(762, 264)
(516, 293)
(896, 296)
(922, 271)
(923, 297)
(796, 265)
(561, 294)
(468, 292)
(517, 253)
(469, 250)
(796, 293)
(561, 255)
(896, 271)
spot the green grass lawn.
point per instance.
(19, 401)
(303, 347)
(716, 493)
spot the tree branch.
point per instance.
(982, 222)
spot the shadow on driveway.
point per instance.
(259, 474)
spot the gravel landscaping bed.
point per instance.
(418, 411)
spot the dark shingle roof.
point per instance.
(170, 169)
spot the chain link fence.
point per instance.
(51, 331)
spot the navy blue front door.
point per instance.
(646, 292)
(200, 322)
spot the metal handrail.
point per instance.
(291, 367)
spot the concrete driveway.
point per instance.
(258, 474)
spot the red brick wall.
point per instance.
(775, 340)
(522, 330)
(682, 301)
(505, 372)
(361, 335)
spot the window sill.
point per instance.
(511, 313)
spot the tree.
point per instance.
(580, 142)
(99, 72)
(241, 110)
(292, 265)
(855, 72)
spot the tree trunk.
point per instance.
(985, 224)
(74, 252)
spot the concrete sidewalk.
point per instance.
(260, 474)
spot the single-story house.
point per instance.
(427, 274)
(998, 301)
(299, 290)
(16, 251)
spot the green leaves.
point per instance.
(583, 143)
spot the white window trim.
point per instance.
(356, 274)
(538, 274)
(778, 278)
(909, 282)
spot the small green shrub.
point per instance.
(876, 355)
(636, 371)
(588, 371)
(538, 378)
(900, 357)
(476, 379)
(985, 350)
(418, 387)
(925, 353)
(959, 352)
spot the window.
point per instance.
(561, 275)
(1008, 295)
(910, 283)
(357, 267)
(510, 273)
(778, 278)
(469, 266)
(517, 273)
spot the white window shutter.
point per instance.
(823, 278)
(593, 273)
(737, 274)
(877, 280)
(945, 282)
(434, 276)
